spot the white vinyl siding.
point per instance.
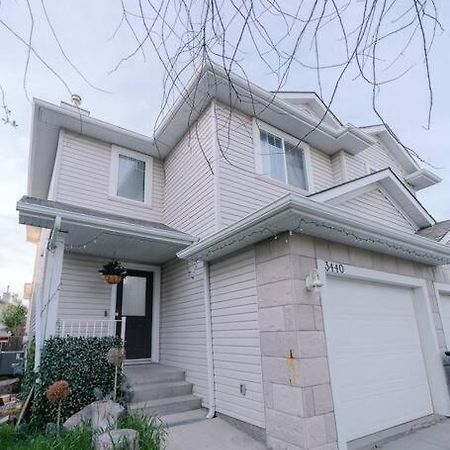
(189, 202)
(337, 168)
(376, 158)
(241, 189)
(84, 179)
(374, 205)
(355, 167)
(83, 294)
(322, 170)
(182, 323)
(237, 354)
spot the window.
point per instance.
(282, 160)
(131, 178)
(130, 175)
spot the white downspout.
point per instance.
(209, 343)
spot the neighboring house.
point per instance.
(229, 228)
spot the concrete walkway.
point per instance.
(210, 434)
(219, 435)
(436, 437)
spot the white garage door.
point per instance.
(445, 315)
(378, 372)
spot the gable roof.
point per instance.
(209, 83)
(391, 183)
(300, 214)
(404, 158)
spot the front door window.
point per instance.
(134, 300)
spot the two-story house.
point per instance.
(277, 257)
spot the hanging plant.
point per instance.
(113, 272)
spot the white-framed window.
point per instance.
(282, 160)
(131, 175)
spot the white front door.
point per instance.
(378, 377)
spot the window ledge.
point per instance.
(288, 187)
(129, 201)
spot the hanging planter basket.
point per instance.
(113, 272)
(112, 279)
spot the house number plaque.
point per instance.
(334, 267)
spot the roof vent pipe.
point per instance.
(75, 100)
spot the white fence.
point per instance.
(91, 327)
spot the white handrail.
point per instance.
(122, 328)
(81, 327)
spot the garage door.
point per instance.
(445, 315)
(378, 372)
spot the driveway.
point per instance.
(210, 434)
(436, 437)
(219, 435)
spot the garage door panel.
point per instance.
(373, 373)
(402, 407)
(378, 371)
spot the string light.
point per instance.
(302, 223)
(85, 244)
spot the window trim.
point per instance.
(116, 151)
(259, 126)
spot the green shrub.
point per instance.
(152, 436)
(152, 433)
(81, 361)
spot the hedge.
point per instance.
(81, 361)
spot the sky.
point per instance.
(134, 94)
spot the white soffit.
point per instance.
(422, 178)
(385, 179)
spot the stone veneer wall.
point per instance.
(297, 391)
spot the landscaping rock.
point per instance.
(118, 439)
(105, 414)
(101, 415)
(81, 417)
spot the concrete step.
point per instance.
(183, 418)
(153, 391)
(166, 406)
(152, 373)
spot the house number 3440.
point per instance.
(334, 267)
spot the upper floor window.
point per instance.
(130, 175)
(282, 160)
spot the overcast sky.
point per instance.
(135, 95)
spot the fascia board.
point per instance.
(351, 186)
(69, 218)
(404, 158)
(213, 82)
(39, 103)
(306, 208)
(422, 179)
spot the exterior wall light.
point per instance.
(313, 281)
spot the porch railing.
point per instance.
(91, 327)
